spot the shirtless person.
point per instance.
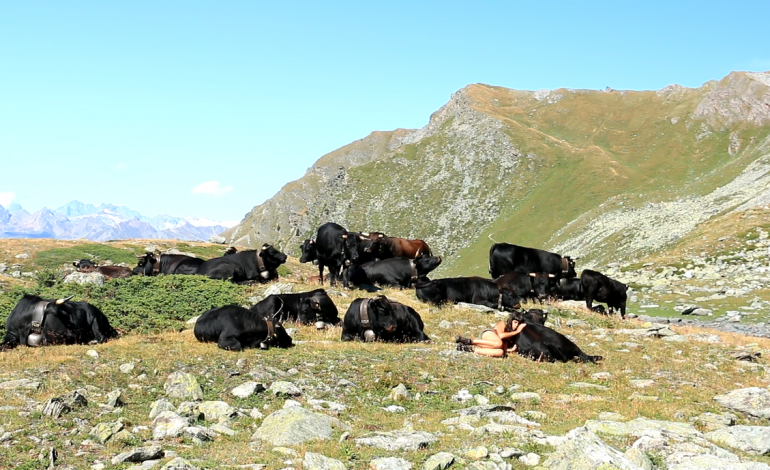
(494, 342)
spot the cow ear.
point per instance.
(532, 275)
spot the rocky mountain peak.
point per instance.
(740, 97)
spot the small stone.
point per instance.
(183, 385)
(611, 416)
(285, 389)
(215, 410)
(104, 431)
(510, 452)
(525, 396)
(139, 454)
(530, 459)
(714, 421)
(641, 383)
(394, 409)
(390, 463)
(477, 453)
(462, 396)
(92, 353)
(127, 368)
(20, 384)
(399, 393)
(160, 406)
(601, 376)
(179, 464)
(114, 399)
(313, 461)
(439, 461)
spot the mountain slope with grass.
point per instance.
(606, 175)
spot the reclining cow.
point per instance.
(540, 343)
(532, 286)
(382, 319)
(597, 286)
(235, 328)
(473, 290)
(306, 307)
(245, 266)
(395, 247)
(151, 264)
(110, 272)
(42, 322)
(394, 272)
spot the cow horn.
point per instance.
(61, 301)
(532, 274)
(551, 275)
(366, 234)
(312, 240)
(361, 237)
(380, 236)
(139, 257)
(418, 253)
(344, 235)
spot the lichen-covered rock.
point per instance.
(96, 279)
(398, 440)
(753, 400)
(714, 421)
(313, 461)
(215, 410)
(282, 388)
(179, 463)
(159, 406)
(138, 454)
(390, 463)
(183, 385)
(750, 439)
(583, 450)
(439, 461)
(102, 432)
(294, 426)
(248, 389)
(168, 424)
(639, 426)
(20, 384)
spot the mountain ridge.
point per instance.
(537, 168)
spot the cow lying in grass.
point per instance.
(382, 319)
(540, 343)
(472, 290)
(42, 322)
(305, 307)
(235, 328)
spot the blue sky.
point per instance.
(205, 109)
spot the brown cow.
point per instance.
(110, 272)
(395, 247)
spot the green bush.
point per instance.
(140, 304)
(54, 258)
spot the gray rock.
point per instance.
(183, 385)
(313, 461)
(248, 389)
(160, 406)
(478, 308)
(397, 440)
(394, 409)
(55, 407)
(114, 399)
(525, 396)
(583, 450)
(713, 421)
(215, 410)
(96, 279)
(501, 414)
(294, 426)
(476, 453)
(640, 459)
(179, 463)
(750, 439)
(279, 288)
(708, 462)
(168, 424)
(20, 384)
(218, 239)
(189, 409)
(754, 401)
(102, 432)
(640, 426)
(92, 353)
(284, 389)
(193, 320)
(127, 368)
(611, 416)
(138, 454)
(399, 393)
(326, 405)
(641, 383)
(199, 434)
(439, 461)
(530, 460)
(222, 429)
(390, 463)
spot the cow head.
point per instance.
(426, 263)
(318, 309)
(509, 300)
(276, 333)
(309, 252)
(355, 245)
(568, 267)
(145, 264)
(382, 316)
(535, 315)
(230, 251)
(542, 284)
(271, 257)
(83, 263)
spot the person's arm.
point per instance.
(513, 333)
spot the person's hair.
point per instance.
(513, 316)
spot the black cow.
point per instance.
(358, 248)
(533, 286)
(474, 290)
(235, 328)
(84, 263)
(504, 258)
(306, 307)
(245, 266)
(369, 319)
(599, 287)
(541, 343)
(568, 289)
(409, 325)
(328, 249)
(41, 322)
(535, 315)
(396, 272)
(151, 264)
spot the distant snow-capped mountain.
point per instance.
(103, 222)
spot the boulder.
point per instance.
(215, 410)
(583, 450)
(248, 389)
(439, 461)
(284, 389)
(313, 461)
(754, 401)
(397, 440)
(168, 424)
(183, 385)
(749, 439)
(138, 454)
(102, 432)
(20, 384)
(96, 279)
(159, 406)
(294, 426)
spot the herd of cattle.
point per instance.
(359, 259)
